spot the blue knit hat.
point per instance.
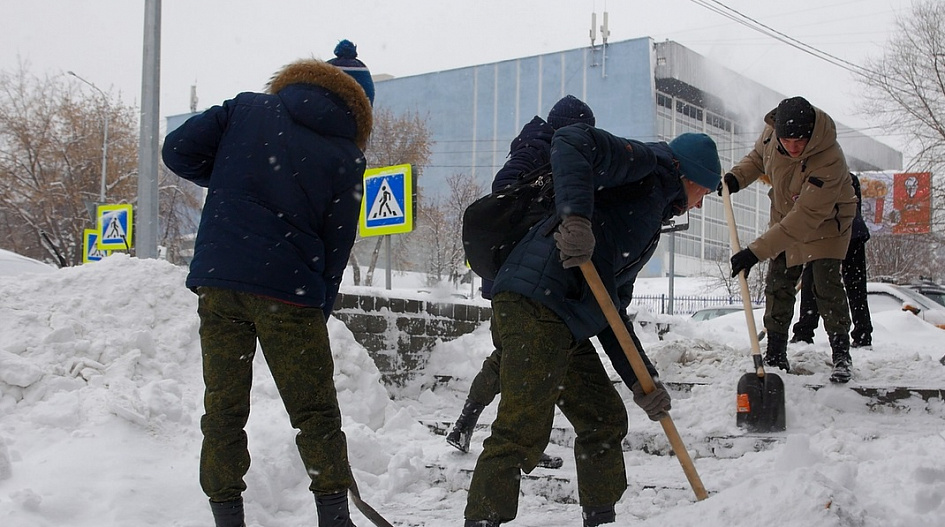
(570, 110)
(698, 159)
(346, 58)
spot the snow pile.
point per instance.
(101, 390)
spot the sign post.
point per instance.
(387, 207)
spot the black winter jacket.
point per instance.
(284, 175)
(627, 189)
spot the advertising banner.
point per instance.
(897, 203)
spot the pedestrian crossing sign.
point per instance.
(90, 250)
(387, 207)
(115, 223)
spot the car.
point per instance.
(888, 297)
(708, 313)
(930, 289)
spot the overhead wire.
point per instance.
(747, 21)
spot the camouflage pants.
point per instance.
(295, 345)
(485, 386)
(854, 282)
(830, 295)
(542, 365)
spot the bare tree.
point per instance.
(722, 279)
(180, 204)
(50, 163)
(395, 140)
(51, 133)
(441, 227)
(464, 189)
(433, 233)
(905, 88)
(903, 258)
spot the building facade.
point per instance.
(637, 88)
(641, 89)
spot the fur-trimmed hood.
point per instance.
(318, 73)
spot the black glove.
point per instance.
(656, 404)
(731, 182)
(575, 241)
(743, 260)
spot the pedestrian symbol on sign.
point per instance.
(385, 206)
(90, 250)
(114, 227)
(115, 230)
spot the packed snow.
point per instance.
(101, 397)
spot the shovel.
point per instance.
(643, 375)
(760, 401)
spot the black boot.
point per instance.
(594, 516)
(333, 510)
(860, 338)
(463, 429)
(798, 337)
(228, 513)
(842, 362)
(776, 354)
(480, 523)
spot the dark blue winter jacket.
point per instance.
(627, 189)
(284, 175)
(531, 149)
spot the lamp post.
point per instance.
(101, 192)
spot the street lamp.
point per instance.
(101, 193)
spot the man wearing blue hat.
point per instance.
(612, 196)
(283, 171)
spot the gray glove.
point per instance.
(656, 404)
(575, 241)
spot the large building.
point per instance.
(641, 89)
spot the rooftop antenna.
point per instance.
(604, 33)
(193, 98)
(593, 33)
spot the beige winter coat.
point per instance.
(812, 197)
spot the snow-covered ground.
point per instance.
(100, 400)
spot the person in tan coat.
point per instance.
(812, 209)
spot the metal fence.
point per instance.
(684, 305)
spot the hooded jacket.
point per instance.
(284, 173)
(812, 197)
(627, 189)
(530, 149)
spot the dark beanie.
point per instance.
(570, 110)
(346, 58)
(698, 159)
(794, 119)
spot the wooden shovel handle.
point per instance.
(643, 375)
(743, 281)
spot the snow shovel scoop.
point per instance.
(643, 375)
(760, 401)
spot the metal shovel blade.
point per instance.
(760, 403)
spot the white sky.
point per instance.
(101, 399)
(230, 46)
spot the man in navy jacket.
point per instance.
(529, 151)
(284, 173)
(612, 196)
